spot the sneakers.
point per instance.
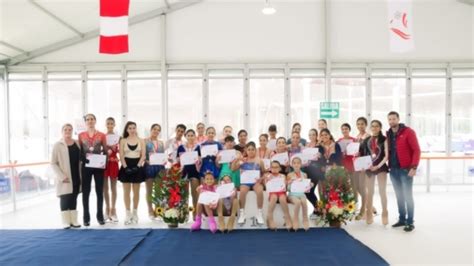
(259, 217)
(197, 224)
(241, 217)
(398, 224)
(409, 227)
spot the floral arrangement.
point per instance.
(337, 201)
(170, 196)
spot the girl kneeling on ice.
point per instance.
(209, 186)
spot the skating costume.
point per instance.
(347, 160)
(189, 171)
(132, 173)
(153, 146)
(112, 168)
(209, 162)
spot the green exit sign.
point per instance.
(329, 110)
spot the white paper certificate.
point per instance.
(112, 139)
(225, 190)
(281, 157)
(276, 185)
(96, 160)
(272, 144)
(189, 158)
(208, 198)
(300, 186)
(343, 144)
(266, 164)
(208, 150)
(249, 176)
(311, 154)
(158, 158)
(352, 148)
(362, 163)
(227, 156)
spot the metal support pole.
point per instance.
(205, 95)
(449, 111)
(84, 89)
(44, 84)
(6, 108)
(164, 78)
(123, 79)
(327, 48)
(408, 96)
(287, 101)
(368, 93)
(247, 99)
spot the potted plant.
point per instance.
(337, 201)
(170, 196)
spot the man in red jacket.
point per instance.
(404, 156)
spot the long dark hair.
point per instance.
(328, 132)
(380, 136)
(125, 132)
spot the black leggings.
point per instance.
(68, 202)
(87, 174)
(311, 196)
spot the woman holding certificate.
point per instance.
(332, 154)
(251, 171)
(209, 150)
(360, 176)
(155, 162)
(295, 145)
(191, 168)
(66, 165)
(280, 154)
(313, 152)
(93, 149)
(376, 147)
(348, 157)
(131, 174)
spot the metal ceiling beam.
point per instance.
(12, 47)
(95, 33)
(2, 54)
(49, 13)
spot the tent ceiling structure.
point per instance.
(63, 24)
(39, 31)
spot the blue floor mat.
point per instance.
(322, 246)
(68, 247)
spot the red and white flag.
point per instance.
(113, 26)
(400, 25)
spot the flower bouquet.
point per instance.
(337, 201)
(170, 196)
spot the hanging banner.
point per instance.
(113, 26)
(400, 26)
